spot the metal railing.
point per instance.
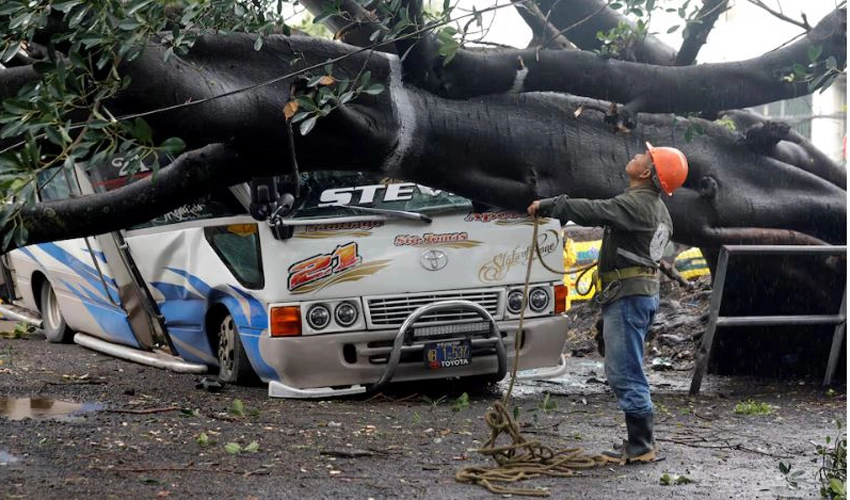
(715, 320)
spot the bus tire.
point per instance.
(233, 364)
(53, 323)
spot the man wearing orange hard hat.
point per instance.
(637, 230)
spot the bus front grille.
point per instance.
(391, 310)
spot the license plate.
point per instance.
(448, 353)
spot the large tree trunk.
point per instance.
(533, 144)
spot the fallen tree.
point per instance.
(500, 126)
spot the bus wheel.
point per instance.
(54, 326)
(233, 363)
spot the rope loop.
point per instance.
(521, 458)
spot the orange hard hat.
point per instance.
(670, 167)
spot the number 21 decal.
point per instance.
(323, 265)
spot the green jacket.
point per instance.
(637, 230)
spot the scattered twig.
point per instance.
(144, 411)
(352, 453)
(75, 382)
(727, 446)
(164, 469)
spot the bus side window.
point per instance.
(53, 184)
(238, 246)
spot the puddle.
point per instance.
(44, 408)
(7, 458)
(587, 376)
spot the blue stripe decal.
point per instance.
(26, 251)
(250, 338)
(112, 320)
(196, 282)
(249, 328)
(193, 338)
(175, 292)
(259, 318)
(82, 269)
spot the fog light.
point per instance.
(318, 316)
(345, 314)
(515, 301)
(538, 299)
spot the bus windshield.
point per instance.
(327, 193)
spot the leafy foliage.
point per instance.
(833, 471)
(64, 117)
(750, 407)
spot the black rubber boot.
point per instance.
(640, 447)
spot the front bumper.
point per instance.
(356, 362)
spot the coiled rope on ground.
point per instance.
(521, 458)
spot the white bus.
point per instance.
(357, 282)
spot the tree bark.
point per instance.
(712, 87)
(580, 20)
(533, 145)
(699, 30)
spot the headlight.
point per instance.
(318, 316)
(345, 314)
(515, 301)
(538, 299)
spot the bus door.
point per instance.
(143, 316)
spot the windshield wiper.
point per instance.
(401, 214)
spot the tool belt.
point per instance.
(608, 284)
(628, 272)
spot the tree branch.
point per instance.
(353, 28)
(544, 33)
(802, 24)
(587, 17)
(662, 89)
(698, 31)
(794, 149)
(190, 176)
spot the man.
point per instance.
(637, 230)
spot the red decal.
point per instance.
(322, 266)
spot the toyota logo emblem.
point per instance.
(433, 260)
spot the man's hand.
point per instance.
(533, 208)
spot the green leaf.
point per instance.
(258, 43)
(173, 145)
(666, 480)
(238, 408)
(232, 448)
(374, 89)
(203, 439)
(9, 51)
(15, 107)
(129, 24)
(814, 52)
(139, 6)
(307, 103)
(21, 235)
(300, 116)
(253, 447)
(142, 131)
(799, 70)
(65, 6)
(307, 125)
(673, 28)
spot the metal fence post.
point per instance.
(837, 340)
(701, 365)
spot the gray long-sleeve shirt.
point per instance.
(637, 230)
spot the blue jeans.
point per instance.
(626, 321)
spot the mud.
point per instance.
(154, 435)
